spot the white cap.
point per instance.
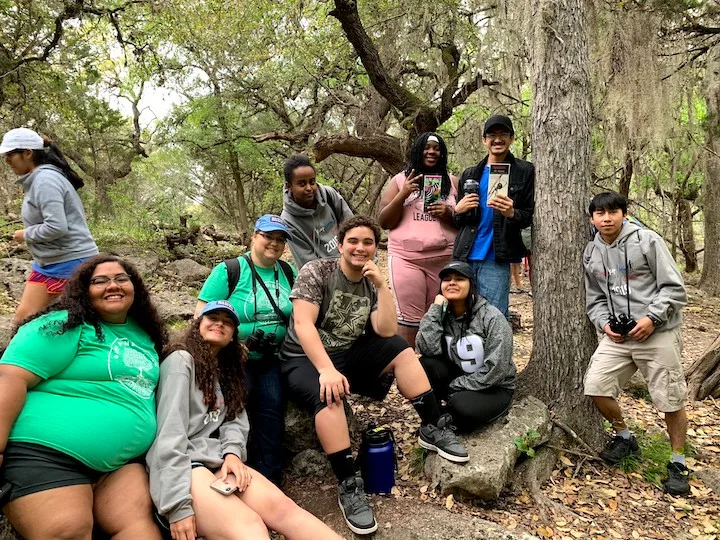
(21, 139)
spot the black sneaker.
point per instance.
(441, 439)
(355, 507)
(619, 448)
(676, 482)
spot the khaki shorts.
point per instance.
(659, 360)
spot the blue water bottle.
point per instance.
(378, 463)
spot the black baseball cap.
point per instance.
(457, 267)
(498, 120)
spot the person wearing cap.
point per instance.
(312, 212)
(202, 439)
(466, 348)
(419, 215)
(55, 229)
(489, 239)
(261, 297)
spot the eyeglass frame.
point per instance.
(113, 279)
(266, 236)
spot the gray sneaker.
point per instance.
(355, 507)
(442, 439)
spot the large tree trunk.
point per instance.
(710, 279)
(687, 234)
(563, 339)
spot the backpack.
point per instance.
(233, 271)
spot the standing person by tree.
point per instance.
(312, 212)
(342, 337)
(56, 231)
(489, 239)
(422, 235)
(634, 296)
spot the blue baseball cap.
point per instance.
(221, 305)
(271, 223)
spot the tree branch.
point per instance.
(383, 148)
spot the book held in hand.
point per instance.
(499, 180)
(431, 189)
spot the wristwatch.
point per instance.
(655, 320)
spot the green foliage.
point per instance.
(526, 443)
(655, 454)
(418, 456)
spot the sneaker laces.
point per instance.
(357, 498)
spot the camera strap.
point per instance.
(627, 280)
(256, 278)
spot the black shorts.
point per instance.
(362, 364)
(32, 468)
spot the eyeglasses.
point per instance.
(120, 279)
(502, 136)
(273, 238)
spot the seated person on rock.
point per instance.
(77, 408)
(261, 297)
(201, 438)
(466, 349)
(312, 211)
(634, 296)
(342, 338)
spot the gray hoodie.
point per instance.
(54, 218)
(187, 432)
(481, 346)
(655, 283)
(314, 230)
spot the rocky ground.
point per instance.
(582, 499)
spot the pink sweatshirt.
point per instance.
(419, 235)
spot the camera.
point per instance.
(261, 343)
(622, 324)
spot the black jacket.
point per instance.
(507, 241)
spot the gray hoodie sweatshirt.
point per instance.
(314, 230)
(188, 432)
(654, 282)
(481, 345)
(54, 218)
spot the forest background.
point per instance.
(179, 115)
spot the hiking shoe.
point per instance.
(676, 482)
(355, 507)
(441, 439)
(619, 448)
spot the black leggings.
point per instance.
(470, 409)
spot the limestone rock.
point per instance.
(310, 463)
(492, 452)
(13, 274)
(711, 478)
(188, 271)
(5, 330)
(300, 429)
(6, 531)
(174, 307)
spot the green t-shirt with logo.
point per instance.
(96, 401)
(253, 307)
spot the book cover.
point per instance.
(431, 189)
(499, 180)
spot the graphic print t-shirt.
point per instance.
(96, 401)
(345, 306)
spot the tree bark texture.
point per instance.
(703, 376)
(710, 279)
(563, 338)
(687, 235)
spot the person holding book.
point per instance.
(417, 208)
(490, 227)
(312, 212)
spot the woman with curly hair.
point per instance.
(77, 408)
(200, 446)
(417, 207)
(53, 216)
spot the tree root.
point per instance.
(575, 453)
(567, 429)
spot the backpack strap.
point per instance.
(233, 272)
(287, 270)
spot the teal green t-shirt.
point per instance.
(253, 308)
(96, 401)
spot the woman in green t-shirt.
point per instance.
(77, 408)
(200, 447)
(261, 298)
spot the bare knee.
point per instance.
(281, 508)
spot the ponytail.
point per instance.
(52, 155)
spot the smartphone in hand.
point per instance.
(227, 487)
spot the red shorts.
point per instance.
(53, 285)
